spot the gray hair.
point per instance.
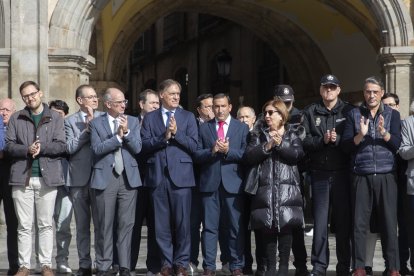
(248, 107)
(374, 80)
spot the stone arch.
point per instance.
(394, 22)
(263, 22)
(72, 23)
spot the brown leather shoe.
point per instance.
(359, 272)
(394, 273)
(47, 271)
(166, 271)
(23, 271)
(237, 272)
(181, 271)
(208, 272)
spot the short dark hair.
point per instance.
(221, 96)
(167, 83)
(142, 97)
(391, 95)
(27, 83)
(202, 97)
(79, 90)
(60, 105)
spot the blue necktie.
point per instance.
(169, 113)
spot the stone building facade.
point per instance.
(62, 44)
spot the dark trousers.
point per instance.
(261, 260)
(195, 220)
(331, 190)
(248, 258)
(299, 248)
(222, 209)
(172, 210)
(10, 215)
(145, 211)
(378, 191)
(281, 241)
(404, 247)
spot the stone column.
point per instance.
(29, 44)
(397, 64)
(68, 68)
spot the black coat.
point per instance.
(278, 200)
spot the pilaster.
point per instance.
(397, 63)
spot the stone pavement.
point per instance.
(73, 259)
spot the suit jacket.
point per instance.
(78, 146)
(104, 144)
(220, 168)
(173, 155)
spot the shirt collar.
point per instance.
(227, 121)
(164, 110)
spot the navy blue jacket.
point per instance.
(373, 155)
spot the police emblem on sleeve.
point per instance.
(317, 121)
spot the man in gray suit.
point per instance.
(115, 141)
(79, 171)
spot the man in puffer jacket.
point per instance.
(324, 123)
(373, 135)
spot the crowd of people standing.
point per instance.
(207, 179)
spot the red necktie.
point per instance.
(220, 131)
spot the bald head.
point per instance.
(7, 108)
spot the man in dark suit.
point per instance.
(169, 137)
(7, 108)
(115, 141)
(148, 101)
(78, 146)
(221, 145)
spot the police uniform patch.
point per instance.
(317, 121)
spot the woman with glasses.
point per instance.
(276, 206)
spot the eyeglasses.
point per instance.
(270, 112)
(330, 86)
(30, 95)
(90, 97)
(120, 102)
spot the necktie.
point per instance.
(169, 113)
(119, 163)
(220, 131)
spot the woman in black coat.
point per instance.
(277, 204)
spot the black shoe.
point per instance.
(124, 272)
(404, 271)
(12, 270)
(102, 273)
(385, 272)
(84, 271)
(368, 270)
(317, 273)
(302, 271)
(259, 273)
(247, 270)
